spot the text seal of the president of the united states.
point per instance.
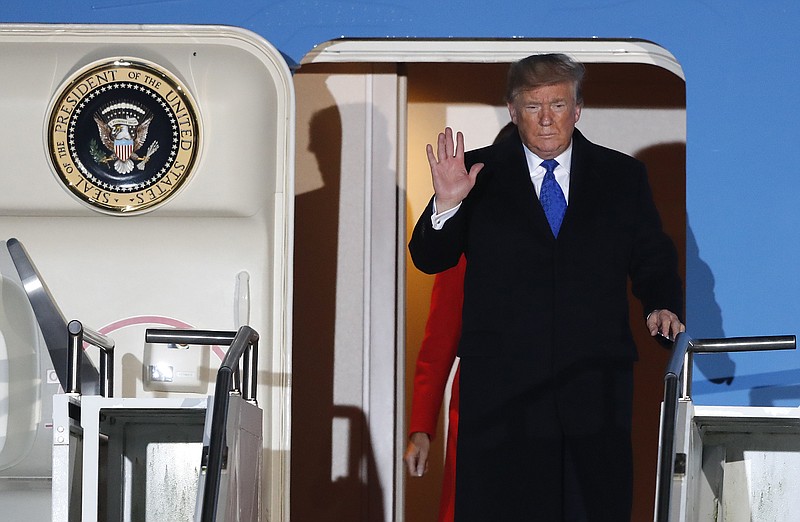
(123, 135)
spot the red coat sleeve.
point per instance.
(438, 350)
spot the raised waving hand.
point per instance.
(451, 181)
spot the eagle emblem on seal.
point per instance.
(123, 127)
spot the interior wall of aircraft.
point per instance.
(343, 430)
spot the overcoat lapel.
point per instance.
(523, 201)
(583, 187)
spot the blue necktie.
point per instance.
(551, 197)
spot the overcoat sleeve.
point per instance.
(655, 280)
(434, 251)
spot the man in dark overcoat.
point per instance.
(553, 227)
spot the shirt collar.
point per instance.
(564, 159)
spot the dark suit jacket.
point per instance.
(539, 310)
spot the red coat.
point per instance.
(434, 363)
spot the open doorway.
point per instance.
(635, 108)
(365, 110)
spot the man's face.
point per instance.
(546, 117)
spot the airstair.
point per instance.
(725, 463)
(129, 459)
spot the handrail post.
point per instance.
(669, 413)
(74, 353)
(78, 335)
(686, 374)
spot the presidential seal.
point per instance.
(123, 135)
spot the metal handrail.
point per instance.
(78, 334)
(52, 323)
(243, 345)
(680, 365)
